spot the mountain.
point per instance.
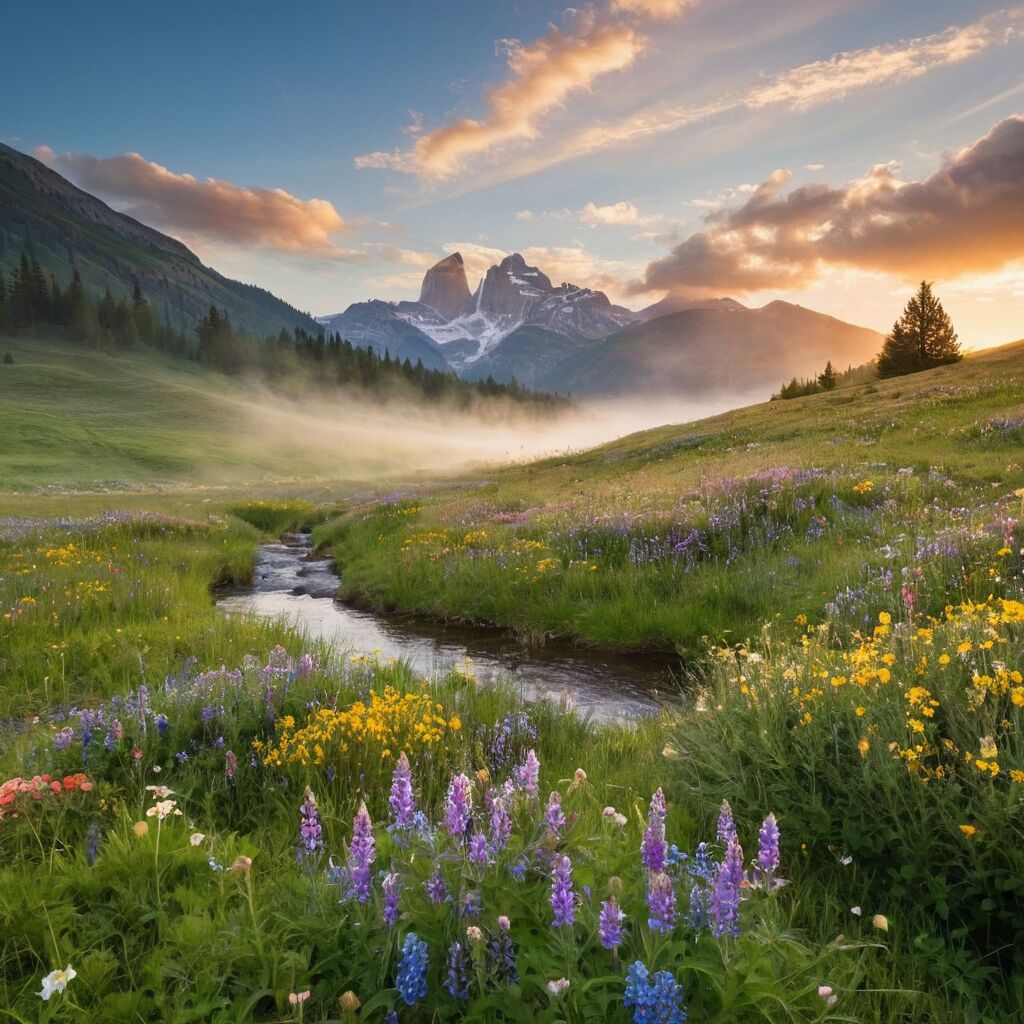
(674, 304)
(68, 229)
(467, 327)
(379, 325)
(529, 354)
(696, 350)
(445, 288)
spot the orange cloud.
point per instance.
(966, 218)
(541, 76)
(211, 208)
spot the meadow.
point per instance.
(208, 819)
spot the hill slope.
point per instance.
(694, 349)
(69, 228)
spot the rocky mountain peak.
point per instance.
(445, 288)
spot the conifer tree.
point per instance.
(923, 337)
(827, 377)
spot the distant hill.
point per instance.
(723, 348)
(68, 228)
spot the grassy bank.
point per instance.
(671, 535)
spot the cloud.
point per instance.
(814, 167)
(799, 89)
(411, 257)
(656, 10)
(210, 209)
(526, 215)
(615, 214)
(541, 76)
(966, 218)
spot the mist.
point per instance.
(351, 438)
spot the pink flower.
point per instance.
(294, 998)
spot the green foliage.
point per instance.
(277, 517)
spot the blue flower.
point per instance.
(412, 970)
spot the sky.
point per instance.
(826, 152)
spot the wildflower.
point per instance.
(412, 970)
(504, 923)
(458, 806)
(474, 934)
(310, 830)
(653, 848)
(502, 955)
(557, 987)
(349, 1003)
(361, 855)
(726, 825)
(478, 854)
(578, 779)
(391, 887)
(196, 839)
(725, 895)
(856, 911)
(162, 809)
(553, 816)
(527, 776)
(969, 830)
(768, 847)
(230, 765)
(92, 844)
(661, 902)
(437, 891)
(562, 895)
(470, 906)
(826, 993)
(241, 865)
(881, 922)
(457, 981)
(160, 792)
(297, 998)
(56, 981)
(140, 828)
(654, 1001)
(402, 801)
(63, 739)
(501, 823)
(609, 924)
(612, 815)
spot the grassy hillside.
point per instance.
(68, 228)
(708, 529)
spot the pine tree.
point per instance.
(923, 337)
(827, 377)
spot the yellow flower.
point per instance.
(455, 723)
(964, 647)
(988, 746)
(141, 828)
(884, 618)
(968, 830)
(1017, 775)
(861, 711)
(943, 659)
(863, 746)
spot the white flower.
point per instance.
(474, 934)
(856, 911)
(196, 838)
(160, 792)
(56, 981)
(161, 809)
(556, 988)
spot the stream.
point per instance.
(293, 583)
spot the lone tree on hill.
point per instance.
(827, 377)
(923, 337)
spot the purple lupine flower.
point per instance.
(768, 847)
(502, 955)
(306, 665)
(653, 848)
(437, 891)
(726, 825)
(702, 866)
(458, 806)
(725, 896)
(63, 738)
(230, 765)
(562, 895)
(478, 853)
(470, 905)
(310, 830)
(361, 855)
(661, 902)
(553, 816)
(114, 734)
(698, 915)
(609, 924)
(457, 981)
(402, 801)
(501, 822)
(391, 886)
(528, 776)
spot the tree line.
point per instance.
(32, 303)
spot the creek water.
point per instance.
(291, 582)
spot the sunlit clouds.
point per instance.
(267, 218)
(965, 218)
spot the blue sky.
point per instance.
(261, 97)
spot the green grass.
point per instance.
(929, 444)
